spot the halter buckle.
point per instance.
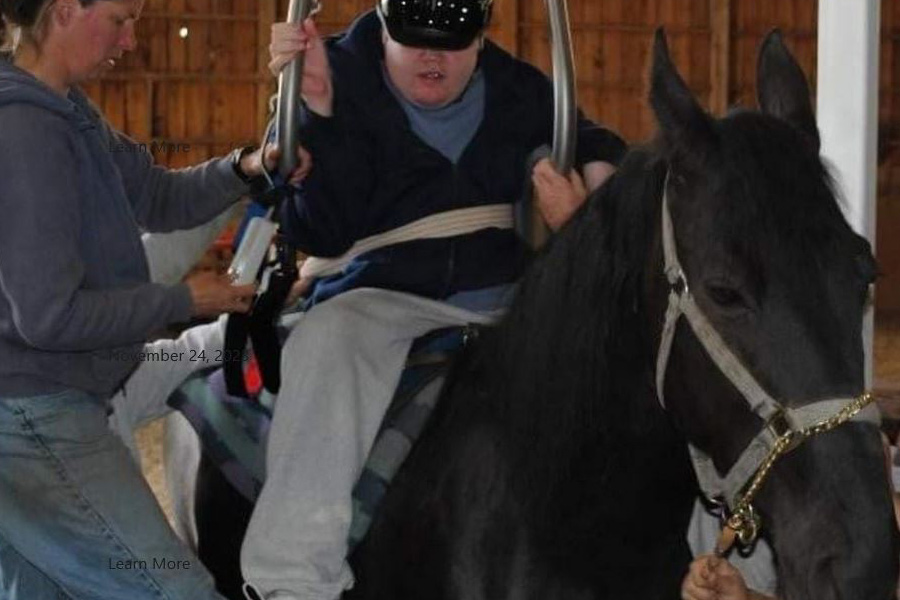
(779, 425)
(781, 428)
(678, 282)
(746, 525)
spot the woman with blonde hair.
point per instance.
(77, 520)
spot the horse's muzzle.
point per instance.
(838, 540)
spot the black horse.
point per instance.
(551, 472)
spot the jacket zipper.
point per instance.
(451, 259)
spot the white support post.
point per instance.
(847, 113)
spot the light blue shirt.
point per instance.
(447, 129)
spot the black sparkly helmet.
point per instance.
(439, 24)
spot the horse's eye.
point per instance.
(725, 297)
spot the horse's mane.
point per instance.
(568, 358)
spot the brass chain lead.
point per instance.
(744, 520)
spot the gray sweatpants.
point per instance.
(340, 367)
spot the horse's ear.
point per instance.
(782, 88)
(687, 130)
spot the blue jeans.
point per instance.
(77, 519)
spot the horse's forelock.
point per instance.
(779, 209)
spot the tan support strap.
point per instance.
(442, 225)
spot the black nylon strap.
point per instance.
(260, 327)
(237, 329)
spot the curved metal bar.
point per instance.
(564, 95)
(289, 85)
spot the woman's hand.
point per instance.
(557, 197)
(213, 294)
(287, 41)
(252, 164)
(714, 578)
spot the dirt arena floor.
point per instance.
(887, 384)
(149, 441)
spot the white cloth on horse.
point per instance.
(340, 366)
(143, 396)
(165, 366)
(758, 569)
(171, 255)
(142, 399)
(181, 461)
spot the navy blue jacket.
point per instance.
(372, 174)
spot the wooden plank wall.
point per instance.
(191, 89)
(713, 42)
(612, 44)
(208, 91)
(888, 289)
(751, 21)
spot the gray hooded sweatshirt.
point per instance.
(75, 301)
